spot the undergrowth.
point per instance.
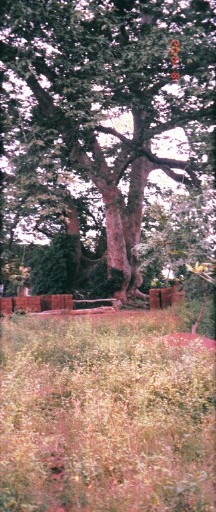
(104, 416)
(189, 311)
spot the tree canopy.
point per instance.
(72, 70)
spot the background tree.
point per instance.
(182, 231)
(83, 65)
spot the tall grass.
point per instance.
(104, 416)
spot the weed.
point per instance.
(105, 416)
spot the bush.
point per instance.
(53, 268)
(100, 286)
(189, 311)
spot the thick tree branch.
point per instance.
(41, 94)
(181, 120)
(121, 163)
(40, 65)
(42, 68)
(100, 160)
(44, 231)
(181, 178)
(178, 164)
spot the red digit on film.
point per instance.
(175, 60)
(174, 50)
(175, 76)
(175, 42)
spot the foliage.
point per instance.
(100, 284)
(181, 232)
(52, 266)
(152, 276)
(14, 275)
(189, 311)
(69, 68)
(205, 270)
(125, 421)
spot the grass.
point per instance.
(104, 416)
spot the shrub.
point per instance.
(53, 268)
(188, 313)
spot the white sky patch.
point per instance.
(173, 144)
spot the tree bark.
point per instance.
(140, 170)
(123, 223)
(119, 268)
(71, 221)
(133, 220)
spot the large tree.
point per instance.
(88, 62)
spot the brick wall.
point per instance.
(155, 298)
(6, 305)
(158, 298)
(164, 297)
(35, 303)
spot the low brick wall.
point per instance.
(30, 304)
(160, 298)
(35, 303)
(61, 301)
(155, 298)
(6, 306)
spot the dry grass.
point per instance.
(103, 416)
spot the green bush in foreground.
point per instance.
(188, 313)
(105, 416)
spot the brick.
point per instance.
(6, 305)
(57, 301)
(177, 297)
(34, 304)
(166, 294)
(154, 298)
(20, 303)
(68, 301)
(46, 302)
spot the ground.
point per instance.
(105, 411)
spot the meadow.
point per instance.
(102, 415)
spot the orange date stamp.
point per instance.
(174, 52)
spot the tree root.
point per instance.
(139, 295)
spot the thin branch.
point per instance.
(111, 131)
(41, 229)
(182, 120)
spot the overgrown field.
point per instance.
(103, 416)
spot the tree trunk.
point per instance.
(133, 221)
(119, 269)
(123, 228)
(71, 222)
(140, 170)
